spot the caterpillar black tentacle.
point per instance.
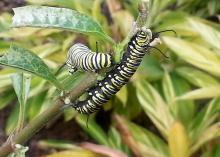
(159, 51)
(138, 46)
(167, 30)
(80, 57)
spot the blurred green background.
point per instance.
(170, 108)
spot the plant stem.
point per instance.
(40, 121)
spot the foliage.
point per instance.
(180, 95)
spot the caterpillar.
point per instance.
(80, 57)
(138, 46)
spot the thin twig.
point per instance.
(40, 121)
(140, 21)
(143, 13)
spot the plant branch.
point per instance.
(143, 13)
(40, 121)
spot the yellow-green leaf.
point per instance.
(208, 33)
(154, 106)
(202, 93)
(194, 54)
(196, 77)
(82, 153)
(178, 141)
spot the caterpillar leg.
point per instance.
(72, 70)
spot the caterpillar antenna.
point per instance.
(168, 30)
(97, 47)
(60, 68)
(159, 51)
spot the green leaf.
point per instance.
(185, 108)
(6, 97)
(61, 3)
(69, 113)
(21, 84)
(70, 81)
(154, 106)
(150, 68)
(34, 105)
(209, 134)
(12, 120)
(24, 59)
(213, 152)
(152, 143)
(195, 54)
(208, 33)
(46, 49)
(196, 77)
(202, 93)
(115, 141)
(93, 129)
(204, 119)
(130, 106)
(61, 18)
(5, 20)
(168, 90)
(4, 45)
(182, 110)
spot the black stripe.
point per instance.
(127, 67)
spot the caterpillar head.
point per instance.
(143, 36)
(155, 40)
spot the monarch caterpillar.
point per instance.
(138, 46)
(80, 57)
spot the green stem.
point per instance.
(40, 121)
(140, 22)
(21, 117)
(20, 124)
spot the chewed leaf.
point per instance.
(61, 18)
(24, 59)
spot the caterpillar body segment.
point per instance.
(138, 46)
(80, 57)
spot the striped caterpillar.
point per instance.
(80, 57)
(138, 46)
